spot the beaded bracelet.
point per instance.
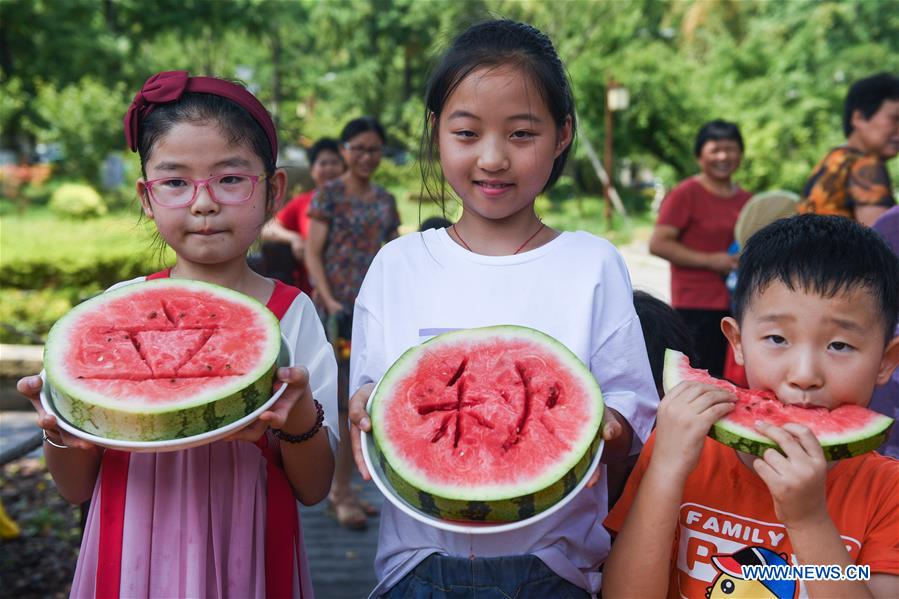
(319, 419)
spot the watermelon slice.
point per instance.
(162, 359)
(844, 432)
(493, 424)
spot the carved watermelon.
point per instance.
(162, 359)
(492, 424)
(846, 431)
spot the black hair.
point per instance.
(325, 144)
(434, 222)
(867, 96)
(827, 255)
(717, 130)
(234, 120)
(494, 44)
(663, 328)
(362, 125)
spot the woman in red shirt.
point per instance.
(694, 230)
(291, 224)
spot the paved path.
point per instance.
(340, 559)
(648, 273)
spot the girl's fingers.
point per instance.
(294, 375)
(358, 415)
(611, 430)
(594, 478)
(30, 387)
(356, 443)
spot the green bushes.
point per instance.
(74, 200)
(49, 265)
(27, 314)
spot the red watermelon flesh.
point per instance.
(491, 424)
(160, 347)
(843, 432)
(472, 416)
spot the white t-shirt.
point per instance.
(575, 288)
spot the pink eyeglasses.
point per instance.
(178, 192)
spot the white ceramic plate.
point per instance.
(383, 483)
(48, 392)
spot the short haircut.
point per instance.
(325, 144)
(663, 328)
(717, 130)
(867, 96)
(823, 254)
(361, 125)
(434, 222)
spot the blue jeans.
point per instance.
(515, 577)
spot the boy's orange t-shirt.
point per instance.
(727, 518)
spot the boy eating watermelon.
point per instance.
(815, 310)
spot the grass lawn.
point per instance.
(39, 234)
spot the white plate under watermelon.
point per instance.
(383, 483)
(285, 358)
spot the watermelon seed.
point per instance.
(212, 315)
(108, 339)
(152, 314)
(208, 367)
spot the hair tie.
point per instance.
(169, 86)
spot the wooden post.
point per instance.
(607, 159)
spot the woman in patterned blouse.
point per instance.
(349, 220)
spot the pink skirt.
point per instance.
(194, 526)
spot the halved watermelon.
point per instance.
(162, 359)
(490, 424)
(846, 431)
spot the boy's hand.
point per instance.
(30, 387)
(359, 421)
(796, 479)
(685, 416)
(298, 393)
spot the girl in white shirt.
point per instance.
(500, 120)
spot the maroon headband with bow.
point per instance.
(168, 86)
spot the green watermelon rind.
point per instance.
(164, 426)
(511, 509)
(105, 417)
(500, 502)
(747, 440)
